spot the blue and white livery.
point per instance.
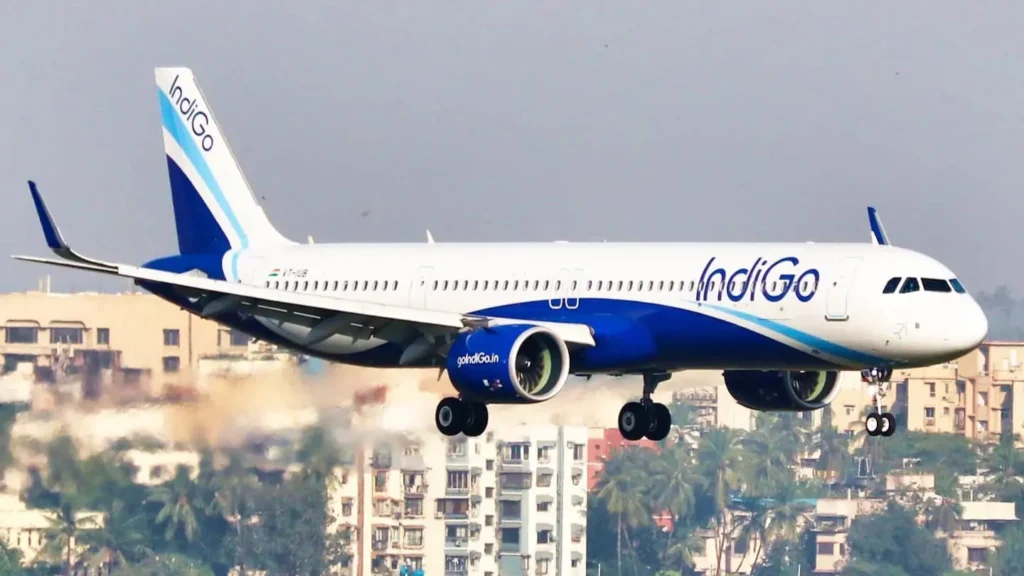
(511, 322)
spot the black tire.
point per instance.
(477, 417)
(889, 427)
(450, 416)
(659, 422)
(633, 421)
(873, 424)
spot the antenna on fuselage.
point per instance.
(430, 237)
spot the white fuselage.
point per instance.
(832, 310)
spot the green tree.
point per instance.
(894, 539)
(621, 490)
(121, 538)
(1009, 558)
(292, 535)
(166, 565)
(833, 447)
(673, 487)
(61, 534)
(177, 499)
(718, 457)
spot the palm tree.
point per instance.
(718, 456)
(673, 486)
(833, 447)
(177, 498)
(621, 490)
(60, 535)
(122, 536)
(231, 499)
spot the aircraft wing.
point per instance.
(325, 315)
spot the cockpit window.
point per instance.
(957, 286)
(935, 285)
(891, 285)
(910, 285)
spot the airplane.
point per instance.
(510, 322)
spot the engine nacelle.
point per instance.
(782, 391)
(510, 364)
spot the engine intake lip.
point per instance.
(561, 357)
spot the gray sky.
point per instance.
(537, 120)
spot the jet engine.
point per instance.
(509, 364)
(782, 391)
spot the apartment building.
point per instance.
(974, 536)
(979, 395)
(832, 520)
(511, 502)
(131, 338)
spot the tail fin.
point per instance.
(214, 209)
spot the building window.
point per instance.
(22, 335)
(577, 452)
(826, 548)
(172, 364)
(414, 537)
(172, 337)
(103, 336)
(65, 335)
(977, 555)
(239, 338)
(931, 389)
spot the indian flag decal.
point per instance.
(274, 273)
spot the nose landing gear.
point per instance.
(879, 423)
(646, 418)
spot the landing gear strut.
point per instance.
(646, 418)
(454, 415)
(879, 423)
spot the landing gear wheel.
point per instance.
(633, 421)
(451, 416)
(888, 424)
(873, 424)
(659, 422)
(476, 422)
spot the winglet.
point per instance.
(878, 235)
(53, 236)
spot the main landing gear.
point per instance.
(879, 423)
(646, 418)
(454, 415)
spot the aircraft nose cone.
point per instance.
(974, 328)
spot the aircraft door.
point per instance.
(420, 287)
(557, 289)
(839, 289)
(573, 289)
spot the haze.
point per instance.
(666, 121)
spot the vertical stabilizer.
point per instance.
(215, 210)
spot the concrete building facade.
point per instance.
(511, 502)
(128, 340)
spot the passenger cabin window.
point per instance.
(935, 285)
(910, 285)
(891, 285)
(957, 286)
